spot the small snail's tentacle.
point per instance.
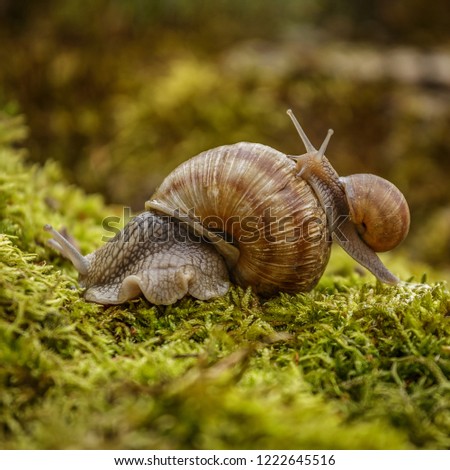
(323, 147)
(69, 251)
(315, 168)
(306, 142)
(227, 250)
(347, 237)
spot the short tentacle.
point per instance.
(323, 147)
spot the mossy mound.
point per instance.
(351, 365)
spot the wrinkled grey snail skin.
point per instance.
(152, 255)
(246, 212)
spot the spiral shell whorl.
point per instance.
(378, 209)
(250, 191)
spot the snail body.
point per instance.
(265, 218)
(152, 255)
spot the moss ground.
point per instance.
(352, 365)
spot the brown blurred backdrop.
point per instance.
(120, 92)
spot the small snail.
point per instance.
(246, 211)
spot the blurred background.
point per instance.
(122, 91)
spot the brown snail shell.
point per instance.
(378, 209)
(250, 193)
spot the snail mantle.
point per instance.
(249, 214)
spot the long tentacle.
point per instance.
(63, 246)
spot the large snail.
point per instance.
(246, 211)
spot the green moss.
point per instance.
(353, 364)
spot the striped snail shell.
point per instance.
(265, 218)
(251, 195)
(378, 209)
